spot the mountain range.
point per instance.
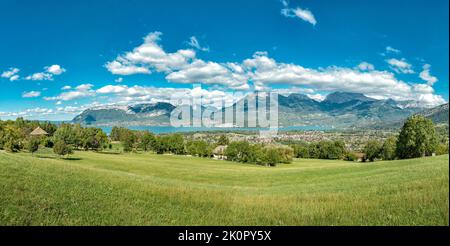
(341, 110)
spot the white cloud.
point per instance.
(193, 42)
(200, 71)
(80, 91)
(119, 80)
(425, 75)
(390, 49)
(48, 74)
(11, 74)
(263, 71)
(365, 66)
(122, 67)
(303, 14)
(55, 69)
(31, 94)
(400, 66)
(150, 56)
(67, 87)
(377, 84)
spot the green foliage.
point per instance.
(128, 142)
(62, 148)
(65, 133)
(417, 138)
(176, 144)
(301, 150)
(442, 149)
(199, 148)
(223, 140)
(387, 151)
(372, 150)
(33, 144)
(147, 141)
(350, 156)
(93, 139)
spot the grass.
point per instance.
(147, 189)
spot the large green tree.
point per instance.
(417, 138)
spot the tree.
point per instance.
(61, 148)
(147, 141)
(271, 157)
(301, 150)
(417, 138)
(33, 145)
(223, 140)
(372, 149)
(128, 142)
(176, 144)
(12, 137)
(66, 134)
(388, 149)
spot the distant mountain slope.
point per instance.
(338, 110)
(152, 114)
(438, 115)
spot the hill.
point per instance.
(338, 110)
(439, 114)
(147, 189)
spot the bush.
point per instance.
(61, 148)
(301, 150)
(350, 156)
(387, 151)
(372, 150)
(33, 145)
(442, 149)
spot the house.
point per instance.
(219, 152)
(38, 132)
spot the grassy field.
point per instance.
(147, 189)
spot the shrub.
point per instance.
(372, 150)
(350, 156)
(387, 151)
(61, 148)
(33, 145)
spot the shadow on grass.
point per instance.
(109, 153)
(58, 158)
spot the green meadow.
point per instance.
(148, 189)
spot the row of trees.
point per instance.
(417, 138)
(320, 150)
(15, 136)
(242, 151)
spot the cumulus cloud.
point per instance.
(365, 66)
(11, 74)
(150, 56)
(81, 91)
(426, 75)
(298, 12)
(119, 80)
(48, 73)
(262, 71)
(193, 42)
(230, 75)
(31, 94)
(400, 66)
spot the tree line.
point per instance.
(417, 138)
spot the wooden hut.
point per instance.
(38, 132)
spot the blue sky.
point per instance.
(60, 57)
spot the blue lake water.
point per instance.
(171, 129)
